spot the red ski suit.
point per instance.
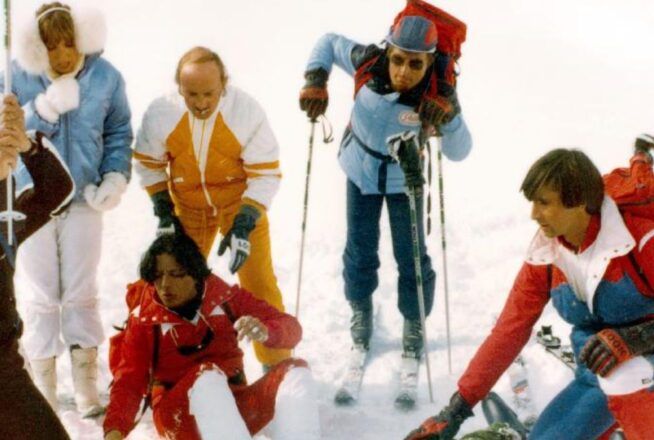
(619, 296)
(221, 305)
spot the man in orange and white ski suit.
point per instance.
(210, 163)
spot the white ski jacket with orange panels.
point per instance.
(209, 163)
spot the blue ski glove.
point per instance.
(446, 424)
(237, 237)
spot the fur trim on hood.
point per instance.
(90, 37)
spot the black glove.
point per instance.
(313, 96)
(237, 237)
(164, 209)
(403, 147)
(608, 348)
(446, 424)
(644, 143)
(439, 110)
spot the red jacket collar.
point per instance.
(152, 311)
(591, 234)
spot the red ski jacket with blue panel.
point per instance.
(605, 284)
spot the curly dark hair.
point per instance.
(180, 247)
(569, 172)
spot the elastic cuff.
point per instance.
(253, 208)
(45, 109)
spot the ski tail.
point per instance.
(497, 411)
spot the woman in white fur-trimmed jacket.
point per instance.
(77, 99)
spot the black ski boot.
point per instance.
(644, 144)
(412, 341)
(361, 323)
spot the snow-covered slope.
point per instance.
(534, 75)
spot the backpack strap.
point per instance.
(364, 58)
(228, 311)
(639, 271)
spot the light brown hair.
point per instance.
(199, 55)
(56, 26)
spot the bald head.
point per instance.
(201, 78)
(201, 55)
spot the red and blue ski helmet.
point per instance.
(414, 34)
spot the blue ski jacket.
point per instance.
(378, 113)
(94, 138)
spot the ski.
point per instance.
(348, 391)
(497, 411)
(552, 344)
(407, 394)
(522, 398)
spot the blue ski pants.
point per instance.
(579, 412)
(361, 259)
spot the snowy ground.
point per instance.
(534, 75)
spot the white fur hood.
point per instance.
(90, 37)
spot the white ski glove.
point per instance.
(237, 239)
(107, 195)
(240, 251)
(251, 328)
(60, 97)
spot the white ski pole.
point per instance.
(441, 197)
(304, 218)
(418, 268)
(9, 215)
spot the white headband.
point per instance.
(49, 11)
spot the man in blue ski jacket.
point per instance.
(392, 96)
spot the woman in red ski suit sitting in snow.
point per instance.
(186, 323)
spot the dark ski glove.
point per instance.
(436, 111)
(237, 237)
(165, 211)
(644, 143)
(403, 147)
(446, 424)
(608, 348)
(313, 96)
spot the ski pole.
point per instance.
(9, 215)
(415, 238)
(441, 197)
(304, 217)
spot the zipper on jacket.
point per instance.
(203, 180)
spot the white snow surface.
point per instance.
(534, 75)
